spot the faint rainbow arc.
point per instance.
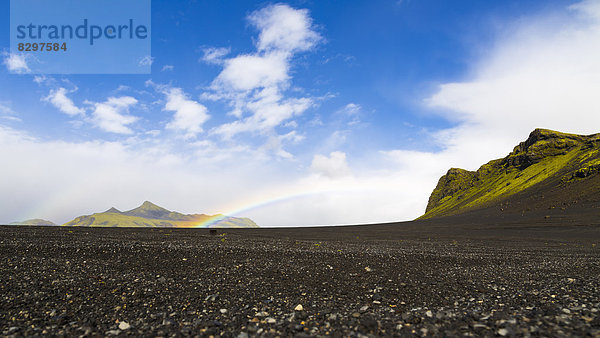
(235, 212)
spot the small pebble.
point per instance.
(124, 326)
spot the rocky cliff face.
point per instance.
(455, 181)
(546, 158)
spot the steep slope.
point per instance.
(151, 215)
(35, 221)
(549, 170)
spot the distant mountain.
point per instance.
(549, 173)
(151, 215)
(35, 221)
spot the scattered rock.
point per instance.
(479, 288)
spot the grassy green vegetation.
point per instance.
(546, 155)
(35, 221)
(150, 215)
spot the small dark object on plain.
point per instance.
(213, 232)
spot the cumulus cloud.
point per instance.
(268, 111)
(333, 165)
(113, 115)
(283, 28)
(189, 115)
(254, 84)
(16, 63)
(58, 98)
(248, 72)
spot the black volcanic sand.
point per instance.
(418, 278)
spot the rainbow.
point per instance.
(258, 203)
(235, 210)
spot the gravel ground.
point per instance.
(140, 282)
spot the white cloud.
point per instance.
(113, 114)
(16, 63)
(545, 75)
(7, 113)
(39, 79)
(275, 144)
(283, 28)
(333, 166)
(167, 68)
(248, 72)
(214, 55)
(268, 111)
(85, 177)
(146, 61)
(541, 75)
(353, 112)
(58, 98)
(189, 114)
(255, 84)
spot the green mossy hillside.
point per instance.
(546, 156)
(35, 221)
(151, 215)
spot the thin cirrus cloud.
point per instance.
(146, 61)
(214, 55)
(7, 113)
(254, 84)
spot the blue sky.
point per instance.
(299, 112)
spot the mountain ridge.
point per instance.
(151, 215)
(547, 163)
(34, 221)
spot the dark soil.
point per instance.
(538, 277)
